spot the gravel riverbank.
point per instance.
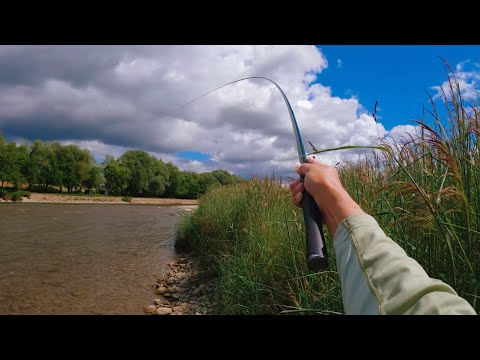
(182, 291)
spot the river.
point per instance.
(83, 258)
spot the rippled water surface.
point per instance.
(82, 258)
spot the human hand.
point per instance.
(323, 183)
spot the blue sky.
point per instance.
(395, 75)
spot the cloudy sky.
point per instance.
(113, 98)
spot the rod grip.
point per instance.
(317, 258)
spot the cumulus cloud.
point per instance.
(112, 98)
(467, 75)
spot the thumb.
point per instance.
(302, 169)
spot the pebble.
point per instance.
(161, 290)
(178, 309)
(182, 280)
(150, 309)
(163, 311)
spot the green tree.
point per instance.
(224, 177)
(21, 164)
(55, 175)
(173, 174)
(147, 174)
(207, 181)
(12, 161)
(39, 157)
(95, 178)
(3, 166)
(82, 174)
(116, 176)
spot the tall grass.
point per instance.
(424, 190)
(252, 239)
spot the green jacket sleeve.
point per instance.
(378, 277)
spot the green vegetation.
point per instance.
(424, 191)
(52, 167)
(7, 194)
(250, 237)
(127, 199)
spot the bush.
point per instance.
(127, 199)
(19, 195)
(4, 194)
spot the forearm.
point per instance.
(336, 205)
(378, 277)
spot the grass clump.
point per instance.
(127, 199)
(251, 238)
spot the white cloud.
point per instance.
(113, 98)
(467, 81)
(401, 131)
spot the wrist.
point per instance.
(335, 207)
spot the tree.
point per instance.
(116, 177)
(95, 178)
(39, 156)
(3, 166)
(147, 174)
(173, 173)
(207, 181)
(224, 177)
(12, 162)
(55, 175)
(21, 163)
(82, 174)
(156, 186)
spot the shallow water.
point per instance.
(82, 258)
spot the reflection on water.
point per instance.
(82, 258)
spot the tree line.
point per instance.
(49, 166)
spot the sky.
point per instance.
(109, 99)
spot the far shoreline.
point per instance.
(92, 199)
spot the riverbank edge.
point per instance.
(86, 199)
(182, 290)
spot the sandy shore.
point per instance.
(85, 199)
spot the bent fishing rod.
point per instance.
(316, 253)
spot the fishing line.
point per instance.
(316, 252)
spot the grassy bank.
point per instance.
(423, 189)
(251, 238)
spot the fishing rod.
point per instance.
(316, 253)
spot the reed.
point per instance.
(424, 190)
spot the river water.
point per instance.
(83, 258)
